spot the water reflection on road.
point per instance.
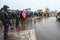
(46, 28)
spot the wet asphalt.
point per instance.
(45, 28)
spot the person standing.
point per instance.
(5, 18)
(17, 18)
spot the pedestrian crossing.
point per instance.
(22, 35)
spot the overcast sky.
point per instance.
(33, 4)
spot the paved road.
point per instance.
(45, 28)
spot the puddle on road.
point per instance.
(47, 28)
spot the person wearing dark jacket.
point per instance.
(17, 18)
(21, 18)
(5, 18)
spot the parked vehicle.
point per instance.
(58, 15)
(29, 13)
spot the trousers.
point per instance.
(6, 27)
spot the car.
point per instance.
(58, 16)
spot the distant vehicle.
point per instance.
(29, 13)
(58, 15)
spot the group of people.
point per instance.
(5, 18)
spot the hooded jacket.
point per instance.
(5, 18)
